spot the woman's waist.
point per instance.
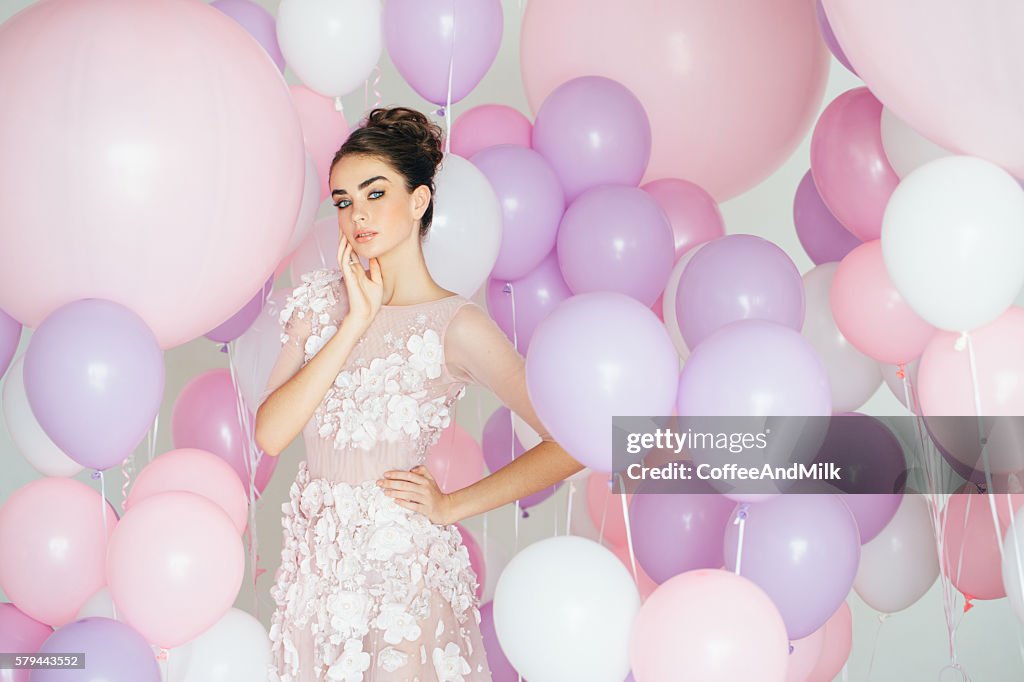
(357, 468)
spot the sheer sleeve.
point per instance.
(477, 351)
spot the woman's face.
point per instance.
(375, 212)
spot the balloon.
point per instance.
(10, 336)
(1012, 564)
(233, 327)
(599, 251)
(692, 212)
(499, 443)
(501, 669)
(174, 566)
(420, 37)
(162, 141)
(899, 565)
(737, 277)
(836, 647)
(258, 22)
(237, 647)
(594, 131)
(487, 125)
(205, 417)
(852, 376)
(675, 57)
(935, 77)
(194, 471)
(26, 433)
(850, 168)
(531, 297)
(476, 558)
(596, 356)
(54, 538)
(870, 313)
(331, 45)
(804, 655)
(324, 130)
(257, 349)
(952, 234)
(905, 148)
(19, 633)
(318, 250)
(970, 550)
(605, 508)
(644, 584)
(465, 233)
(456, 460)
(803, 551)
(99, 605)
(307, 211)
(532, 204)
(669, 302)
(823, 237)
(114, 652)
(722, 625)
(563, 608)
(830, 37)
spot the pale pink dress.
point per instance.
(367, 590)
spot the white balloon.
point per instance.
(895, 383)
(906, 148)
(668, 302)
(1013, 560)
(899, 565)
(308, 208)
(563, 609)
(257, 349)
(853, 376)
(235, 649)
(462, 245)
(332, 45)
(27, 435)
(99, 605)
(953, 241)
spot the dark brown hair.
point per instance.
(407, 141)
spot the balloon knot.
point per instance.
(224, 348)
(162, 656)
(961, 342)
(338, 106)
(526, 514)
(901, 372)
(440, 112)
(96, 474)
(741, 513)
(969, 603)
(507, 289)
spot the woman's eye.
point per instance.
(339, 206)
(377, 191)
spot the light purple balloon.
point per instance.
(237, 324)
(754, 367)
(615, 238)
(258, 22)
(678, 531)
(501, 669)
(803, 551)
(737, 277)
(497, 444)
(424, 37)
(823, 237)
(533, 296)
(830, 37)
(114, 652)
(594, 131)
(594, 357)
(10, 336)
(19, 634)
(94, 377)
(532, 204)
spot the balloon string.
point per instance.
(151, 451)
(507, 289)
(376, 81)
(983, 441)
(874, 644)
(629, 534)
(448, 97)
(741, 521)
(250, 461)
(604, 512)
(568, 510)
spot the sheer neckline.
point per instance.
(414, 305)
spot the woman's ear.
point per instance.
(420, 201)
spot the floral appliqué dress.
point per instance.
(367, 590)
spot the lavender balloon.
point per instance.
(615, 238)
(497, 443)
(258, 22)
(823, 237)
(114, 652)
(94, 378)
(803, 551)
(830, 37)
(501, 669)
(532, 204)
(737, 277)
(10, 335)
(426, 37)
(22, 634)
(527, 300)
(594, 131)
(236, 325)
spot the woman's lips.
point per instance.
(365, 238)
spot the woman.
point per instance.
(375, 583)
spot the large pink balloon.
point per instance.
(324, 130)
(157, 175)
(869, 311)
(850, 168)
(675, 56)
(53, 547)
(954, 78)
(456, 460)
(174, 567)
(708, 625)
(836, 647)
(19, 633)
(193, 471)
(970, 551)
(692, 212)
(488, 125)
(527, 300)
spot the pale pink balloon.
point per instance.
(835, 650)
(692, 212)
(181, 171)
(476, 558)
(53, 547)
(970, 551)
(644, 583)
(456, 460)
(324, 129)
(850, 168)
(869, 311)
(175, 566)
(715, 625)
(194, 471)
(675, 60)
(488, 125)
(605, 507)
(805, 654)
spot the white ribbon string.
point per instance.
(448, 98)
(250, 461)
(983, 441)
(741, 521)
(629, 533)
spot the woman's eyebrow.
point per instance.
(362, 185)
